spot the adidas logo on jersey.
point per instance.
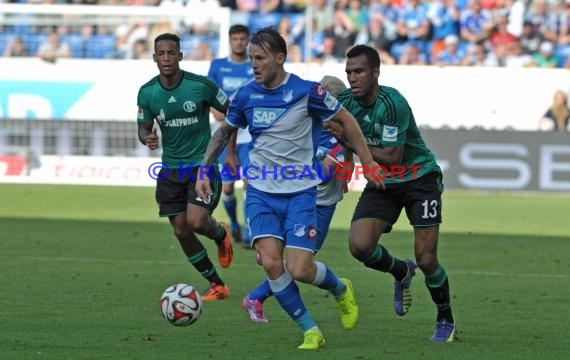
(171, 100)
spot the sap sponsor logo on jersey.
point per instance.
(390, 133)
(256, 96)
(330, 101)
(263, 117)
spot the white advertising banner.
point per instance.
(470, 160)
(80, 170)
(453, 97)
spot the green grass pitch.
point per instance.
(82, 269)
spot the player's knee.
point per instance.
(197, 222)
(180, 231)
(358, 250)
(228, 189)
(273, 266)
(301, 271)
(427, 262)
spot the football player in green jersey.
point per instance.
(413, 182)
(179, 103)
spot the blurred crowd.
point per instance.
(507, 33)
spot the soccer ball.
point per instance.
(181, 305)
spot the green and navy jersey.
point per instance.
(182, 114)
(390, 122)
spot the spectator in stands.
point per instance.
(328, 53)
(557, 117)
(385, 57)
(343, 31)
(267, 6)
(530, 39)
(294, 6)
(375, 34)
(477, 55)
(52, 49)
(564, 25)
(140, 50)
(16, 48)
(544, 18)
(512, 55)
(413, 23)
(121, 49)
(544, 58)
(202, 24)
(515, 10)
(412, 56)
(451, 55)
(202, 52)
(390, 13)
(323, 15)
(357, 12)
(475, 23)
(500, 35)
(444, 20)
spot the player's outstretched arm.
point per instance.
(354, 136)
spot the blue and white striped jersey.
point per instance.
(285, 124)
(331, 191)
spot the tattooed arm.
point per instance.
(219, 140)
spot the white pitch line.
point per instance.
(360, 268)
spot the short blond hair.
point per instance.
(333, 85)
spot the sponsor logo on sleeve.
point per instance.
(221, 97)
(330, 101)
(390, 133)
(140, 114)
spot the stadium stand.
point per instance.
(473, 21)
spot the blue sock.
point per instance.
(262, 291)
(230, 204)
(287, 294)
(327, 280)
(245, 233)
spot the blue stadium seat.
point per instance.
(75, 42)
(32, 42)
(215, 46)
(397, 49)
(100, 46)
(5, 39)
(562, 52)
(189, 42)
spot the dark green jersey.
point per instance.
(390, 122)
(183, 114)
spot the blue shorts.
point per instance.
(324, 217)
(243, 158)
(291, 218)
